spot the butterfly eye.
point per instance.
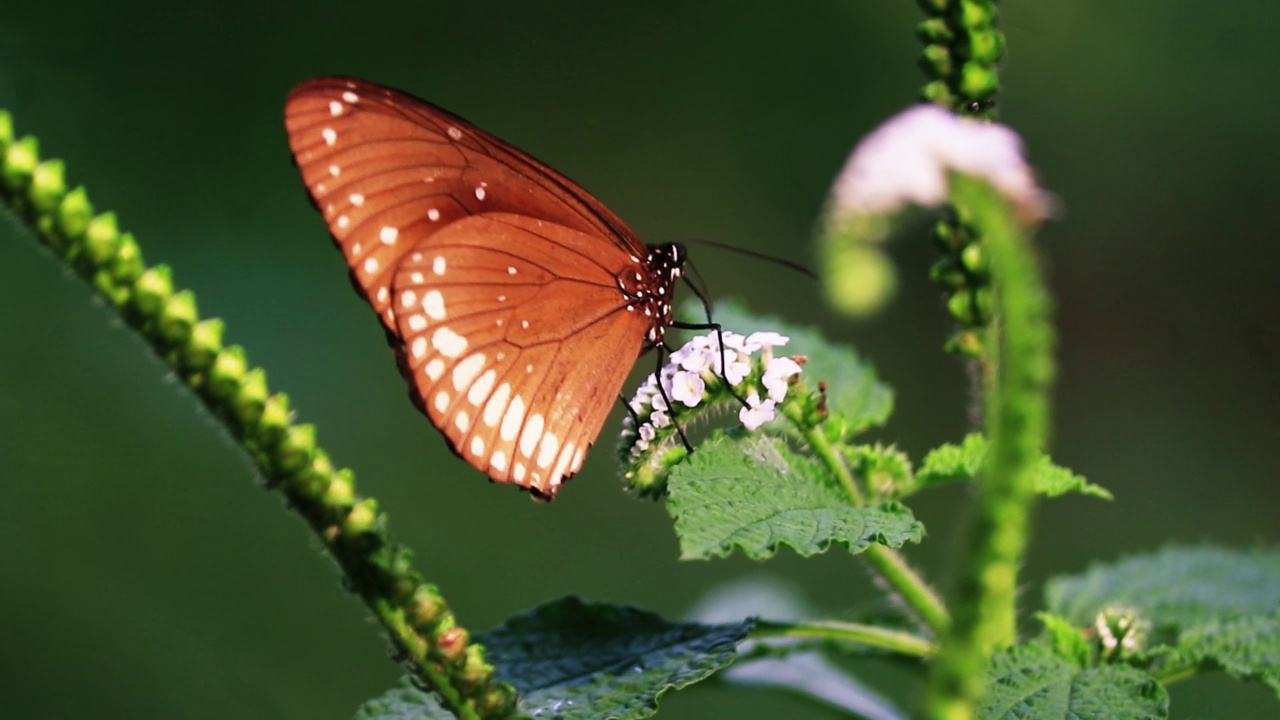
(516, 302)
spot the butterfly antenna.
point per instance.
(789, 264)
(699, 288)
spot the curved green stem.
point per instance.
(1019, 347)
(893, 641)
(424, 632)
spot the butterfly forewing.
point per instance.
(508, 292)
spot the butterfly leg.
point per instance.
(663, 352)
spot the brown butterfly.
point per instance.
(516, 302)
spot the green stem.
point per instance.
(424, 632)
(827, 452)
(894, 641)
(910, 586)
(891, 566)
(1019, 347)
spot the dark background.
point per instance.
(144, 575)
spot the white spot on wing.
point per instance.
(371, 265)
(477, 446)
(356, 199)
(518, 473)
(334, 170)
(511, 270)
(434, 368)
(335, 108)
(547, 450)
(417, 323)
(449, 343)
(479, 193)
(481, 387)
(350, 96)
(433, 214)
(330, 136)
(497, 403)
(433, 304)
(416, 278)
(437, 265)
(498, 461)
(512, 419)
(466, 371)
(454, 133)
(530, 435)
(418, 347)
(462, 420)
(442, 401)
(343, 221)
(409, 298)
(388, 235)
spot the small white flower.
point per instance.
(646, 433)
(765, 339)
(757, 412)
(659, 419)
(737, 370)
(777, 375)
(658, 403)
(687, 387)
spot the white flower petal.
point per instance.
(687, 388)
(757, 413)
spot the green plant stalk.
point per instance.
(891, 566)
(417, 619)
(1020, 346)
(893, 641)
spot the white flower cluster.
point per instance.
(686, 375)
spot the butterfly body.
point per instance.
(516, 302)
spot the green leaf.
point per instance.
(964, 462)
(853, 391)
(403, 702)
(1032, 681)
(1177, 586)
(573, 659)
(1203, 608)
(756, 494)
(1247, 648)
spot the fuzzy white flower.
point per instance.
(906, 161)
(757, 412)
(659, 419)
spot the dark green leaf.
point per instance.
(853, 391)
(1032, 681)
(756, 494)
(950, 463)
(572, 659)
(403, 702)
(1247, 648)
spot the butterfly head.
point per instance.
(649, 283)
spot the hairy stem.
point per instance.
(424, 632)
(893, 641)
(1019, 347)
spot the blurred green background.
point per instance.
(144, 575)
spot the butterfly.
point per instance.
(515, 303)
